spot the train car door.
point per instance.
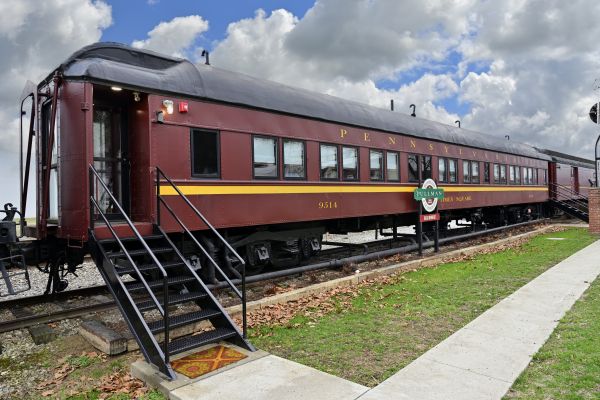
(575, 179)
(110, 141)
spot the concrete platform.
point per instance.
(483, 359)
(271, 377)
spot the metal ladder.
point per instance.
(571, 202)
(162, 278)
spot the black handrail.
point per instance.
(159, 200)
(164, 310)
(571, 195)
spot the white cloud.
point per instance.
(174, 37)
(278, 47)
(35, 36)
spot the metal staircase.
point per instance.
(162, 278)
(569, 202)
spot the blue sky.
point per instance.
(220, 14)
(126, 28)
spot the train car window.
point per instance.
(466, 172)
(486, 172)
(511, 174)
(393, 166)
(264, 157)
(517, 175)
(413, 168)
(496, 173)
(350, 164)
(294, 159)
(474, 171)
(452, 171)
(503, 174)
(426, 167)
(329, 162)
(529, 177)
(545, 176)
(534, 176)
(205, 154)
(376, 165)
(442, 170)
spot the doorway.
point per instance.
(110, 140)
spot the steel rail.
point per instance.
(28, 321)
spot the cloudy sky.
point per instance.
(526, 68)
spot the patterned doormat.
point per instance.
(206, 361)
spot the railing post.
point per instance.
(166, 319)
(244, 323)
(157, 196)
(91, 188)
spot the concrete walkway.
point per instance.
(483, 359)
(480, 361)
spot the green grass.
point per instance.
(568, 365)
(95, 395)
(388, 325)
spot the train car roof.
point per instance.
(568, 159)
(143, 69)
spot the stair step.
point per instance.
(173, 299)
(139, 252)
(129, 239)
(147, 267)
(132, 287)
(183, 319)
(186, 343)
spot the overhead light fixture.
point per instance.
(168, 105)
(116, 88)
(136, 97)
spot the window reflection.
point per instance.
(349, 163)
(329, 162)
(293, 159)
(265, 157)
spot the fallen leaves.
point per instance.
(121, 383)
(317, 305)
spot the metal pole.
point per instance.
(420, 229)
(597, 161)
(437, 236)
(597, 156)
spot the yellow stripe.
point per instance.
(312, 189)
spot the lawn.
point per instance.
(372, 333)
(568, 365)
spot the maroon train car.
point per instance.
(574, 176)
(270, 166)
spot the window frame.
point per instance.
(466, 174)
(446, 176)
(418, 168)
(303, 178)
(339, 175)
(387, 178)
(455, 161)
(486, 175)
(503, 168)
(473, 182)
(512, 170)
(277, 157)
(422, 158)
(496, 167)
(341, 163)
(383, 165)
(192, 158)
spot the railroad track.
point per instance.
(355, 254)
